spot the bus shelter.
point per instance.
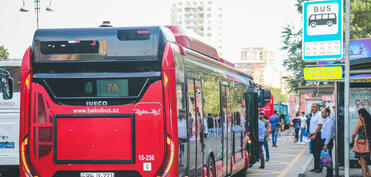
(360, 96)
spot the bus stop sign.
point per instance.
(323, 31)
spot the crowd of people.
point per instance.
(317, 128)
(266, 128)
(322, 135)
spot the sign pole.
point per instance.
(336, 130)
(346, 89)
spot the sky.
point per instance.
(246, 23)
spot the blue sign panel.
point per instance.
(323, 31)
(6, 144)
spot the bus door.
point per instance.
(251, 125)
(226, 127)
(195, 121)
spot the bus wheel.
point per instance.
(329, 23)
(241, 173)
(210, 167)
(313, 24)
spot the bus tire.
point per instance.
(211, 172)
(329, 23)
(313, 24)
(241, 173)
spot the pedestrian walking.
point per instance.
(296, 122)
(261, 132)
(362, 130)
(315, 135)
(275, 124)
(266, 136)
(283, 126)
(303, 124)
(327, 137)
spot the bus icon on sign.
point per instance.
(322, 19)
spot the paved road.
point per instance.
(287, 160)
(9, 171)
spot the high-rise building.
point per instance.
(262, 64)
(203, 17)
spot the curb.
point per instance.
(307, 164)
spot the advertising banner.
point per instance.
(359, 98)
(360, 49)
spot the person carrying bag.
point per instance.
(325, 159)
(361, 146)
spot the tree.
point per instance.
(294, 62)
(277, 95)
(292, 41)
(360, 24)
(3, 53)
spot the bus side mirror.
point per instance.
(267, 95)
(7, 88)
(264, 96)
(261, 97)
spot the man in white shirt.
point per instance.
(326, 136)
(261, 132)
(315, 135)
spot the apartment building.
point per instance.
(203, 17)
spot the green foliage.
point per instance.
(3, 53)
(292, 40)
(293, 63)
(360, 19)
(210, 91)
(292, 43)
(278, 96)
(299, 6)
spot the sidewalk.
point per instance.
(354, 172)
(288, 159)
(304, 162)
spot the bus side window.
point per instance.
(210, 125)
(191, 110)
(182, 124)
(312, 17)
(210, 93)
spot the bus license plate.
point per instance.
(97, 174)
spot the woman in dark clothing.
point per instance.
(363, 127)
(296, 122)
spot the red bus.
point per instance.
(132, 101)
(268, 108)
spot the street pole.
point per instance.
(336, 130)
(346, 89)
(37, 11)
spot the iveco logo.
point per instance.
(96, 103)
